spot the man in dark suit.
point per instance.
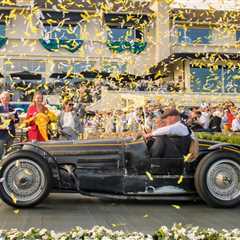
(8, 119)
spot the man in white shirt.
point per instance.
(162, 147)
(173, 126)
(204, 119)
(236, 124)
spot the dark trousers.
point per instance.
(5, 141)
(157, 146)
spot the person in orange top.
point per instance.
(37, 119)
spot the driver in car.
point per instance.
(171, 126)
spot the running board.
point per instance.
(177, 197)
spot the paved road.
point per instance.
(61, 212)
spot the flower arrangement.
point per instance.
(188, 232)
(176, 232)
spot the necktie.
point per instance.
(5, 109)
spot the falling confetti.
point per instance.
(149, 176)
(187, 157)
(180, 180)
(14, 199)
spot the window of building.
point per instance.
(82, 66)
(24, 2)
(238, 36)
(110, 67)
(2, 30)
(67, 32)
(206, 80)
(231, 80)
(20, 65)
(194, 35)
(77, 67)
(221, 80)
(117, 34)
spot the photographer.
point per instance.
(8, 119)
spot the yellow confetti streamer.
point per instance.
(16, 211)
(176, 206)
(17, 164)
(187, 157)
(180, 180)
(149, 175)
(14, 199)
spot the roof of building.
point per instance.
(203, 16)
(225, 5)
(93, 5)
(162, 65)
(136, 7)
(10, 3)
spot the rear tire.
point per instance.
(217, 179)
(25, 179)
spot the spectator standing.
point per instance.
(7, 131)
(236, 123)
(216, 121)
(194, 121)
(38, 118)
(109, 123)
(229, 116)
(204, 119)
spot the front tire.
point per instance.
(25, 179)
(217, 179)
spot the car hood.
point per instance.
(94, 147)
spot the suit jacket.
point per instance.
(11, 128)
(78, 127)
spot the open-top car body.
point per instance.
(122, 169)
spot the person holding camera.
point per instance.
(8, 119)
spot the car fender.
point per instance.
(33, 148)
(225, 146)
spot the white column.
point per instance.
(187, 77)
(162, 25)
(49, 69)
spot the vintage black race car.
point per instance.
(121, 169)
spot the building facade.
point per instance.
(47, 43)
(204, 52)
(183, 50)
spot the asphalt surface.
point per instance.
(61, 212)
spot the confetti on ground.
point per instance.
(16, 211)
(176, 206)
(118, 225)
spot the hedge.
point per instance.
(219, 137)
(176, 232)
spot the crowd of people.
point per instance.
(74, 122)
(205, 118)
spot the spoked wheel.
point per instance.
(217, 179)
(25, 180)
